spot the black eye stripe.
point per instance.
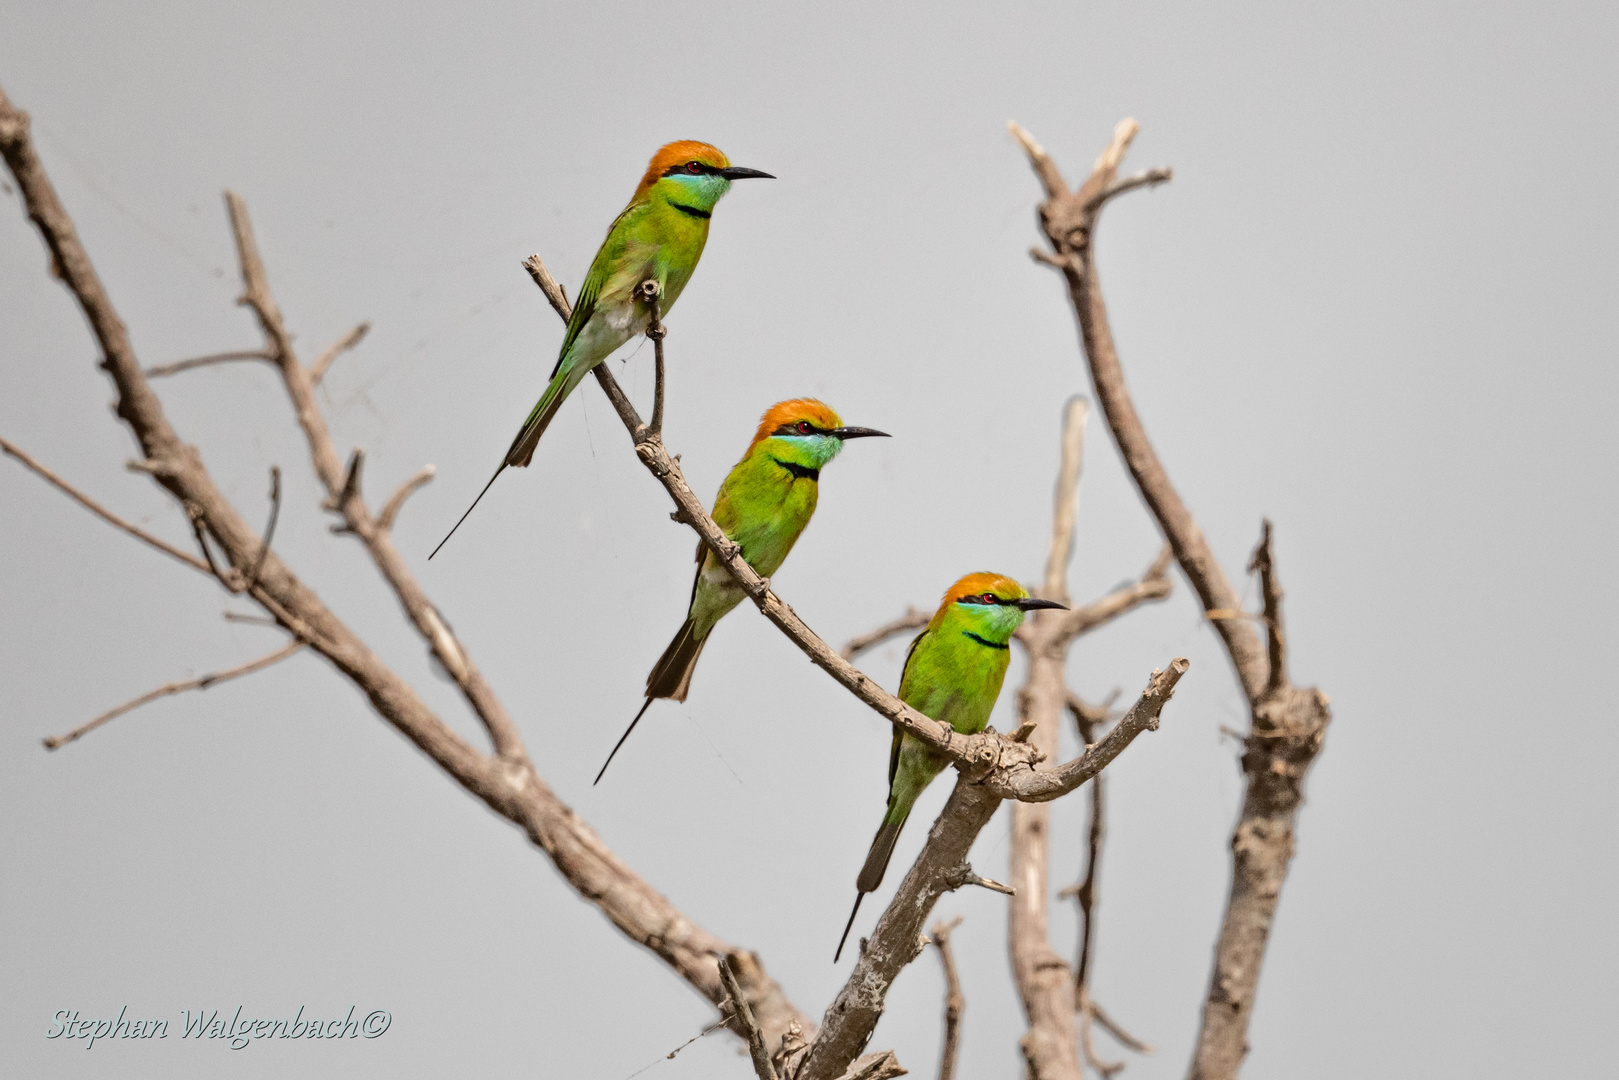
(792, 429)
(683, 170)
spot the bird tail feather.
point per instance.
(644, 706)
(562, 384)
(871, 875)
(882, 849)
(671, 675)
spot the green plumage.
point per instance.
(658, 237)
(953, 673)
(650, 241)
(763, 506)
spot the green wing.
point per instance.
(585, 304)
(893, 754)
(584, 307)
(725, 517)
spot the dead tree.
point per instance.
(784, 1042)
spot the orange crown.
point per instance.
(974, 584)
(791, 412)
(678, 153)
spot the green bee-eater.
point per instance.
(953, 674)
(763, 506)
(659, 237)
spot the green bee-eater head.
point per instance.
(989, 607)
(804, 433)
(692, 176)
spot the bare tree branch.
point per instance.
(1113, 1028)
(991, 767)
(323, 363)
(1069, 222)
(911, 620)
(512, 788)
(548, 285)
(1011, 764)
(1087, 1044)
(1061, 551)
(1263, 563)
(942, 866)
(954, 1003)
(343, 496)
(1149, 178)
(256, 620)
(1050, 1048)
(55, 741)
(269, 528)
(745, 1020)
(99, 511)
(391, 508)
(1288, 726)
(1085, 895)
(648, 292)
(1287, 723)
(1065, 626)
(1085, 891)
(178, 366)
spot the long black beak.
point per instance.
(857, 433)
(737, 172)
(1033, 602)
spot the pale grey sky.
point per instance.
(1376, 304)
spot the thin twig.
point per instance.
(650, 291)
(1061, 550)
(548, 285)
(1153, 585)
(709, 1030)
(965, 875)
(1085, 892)
(1263, 563)
(324, 361)
(99, 511)
(1087, 1044)
(269, 530)
(1148, 178)
(255, 620)
(203, 683)
(954, 1003)
(205, 361)
(750, 1026)
(1113, 1028)
(390, 509)
(1049, 175)
(342, 487)
(199, 530)
(911, 620)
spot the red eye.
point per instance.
(694, 167)
(989, 598)
(803, 427)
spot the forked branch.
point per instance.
(850, 1018)
(1008, 767)
(1287, 723)
(507, 783)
